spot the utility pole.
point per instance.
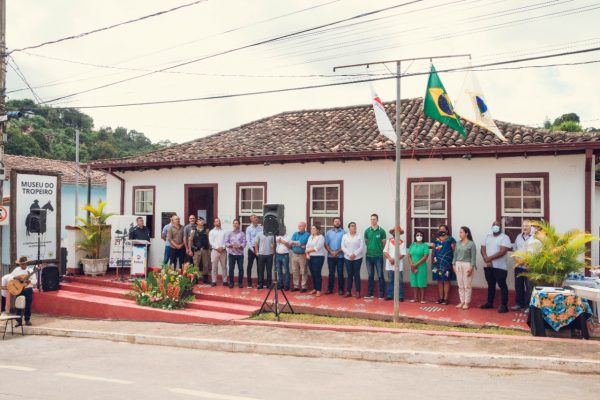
(2, 107)
(397, 161)
(76, 173)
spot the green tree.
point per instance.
(568, 126)
(566, 117)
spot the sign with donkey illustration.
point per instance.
(35, 215)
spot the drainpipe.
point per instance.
(589, 184)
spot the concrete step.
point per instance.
(77, 304)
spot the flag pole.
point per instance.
(397, 202)
(397, 164)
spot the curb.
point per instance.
(371, 329)
(577, 366)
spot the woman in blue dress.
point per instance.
(443, 253)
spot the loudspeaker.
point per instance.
(37, 221)
(273, 215)
(50, 278)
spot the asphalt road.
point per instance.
(38, 367)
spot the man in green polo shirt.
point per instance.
(375, 238)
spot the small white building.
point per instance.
(333, 162)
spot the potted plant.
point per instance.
(96, 235)
(558, 255)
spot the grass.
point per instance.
(323, 320)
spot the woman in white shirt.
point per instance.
(353, 248)
(315, 254)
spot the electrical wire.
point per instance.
(254, 44)
(106, 28)
(307, 87)
(21, 75)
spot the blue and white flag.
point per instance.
(472, 105)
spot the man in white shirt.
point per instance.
(218, 255)
(21, 270)
(282, 261)
(521, 282)
(495, 255)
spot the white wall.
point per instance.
(368, 188)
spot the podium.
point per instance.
(139, 257)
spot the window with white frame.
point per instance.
(143, 204)
(429, 208)
(325, 204)
(521, 199)
(251, 199)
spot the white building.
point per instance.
(325, 163)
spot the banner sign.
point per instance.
(35, 219)
(120, 253)
(138, 260)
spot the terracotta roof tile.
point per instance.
(341, 130)
(66, 168)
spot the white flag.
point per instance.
(472, 105)
(383, 122)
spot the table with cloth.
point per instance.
(557, 308)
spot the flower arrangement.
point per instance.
(166, 289)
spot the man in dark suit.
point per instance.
(139, 232)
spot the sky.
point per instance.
(488, 30)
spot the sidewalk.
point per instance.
(565, 355)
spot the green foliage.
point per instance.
(95, 231)
(559, 255)
(568, 126)
(50, 133)
(166, 289)
(567, 117)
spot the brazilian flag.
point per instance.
(437, 104)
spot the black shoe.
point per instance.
(341, 292)
(231, 286)
(213, 284)
(401, 300)
(241, 286)
(444, 302)
(329, 292)
(28, 323)
(388, 298)
(18, 324)
(259, 287)
(303, 290)
(286, 289)
(486, 306)
(439, 301)
(205, 279)
(295, 289)
(502, 309)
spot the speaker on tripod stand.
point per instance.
(273, 215)
(37, 224)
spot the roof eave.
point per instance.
(449, 152)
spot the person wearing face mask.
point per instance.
(443, 253)
(523, 287)
(497, 245)
(418, 252)
(464, 262)
(521, 282)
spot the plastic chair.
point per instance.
(19, 305)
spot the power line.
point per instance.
(254, 93)
(274, 39)
(21, 75)
(106, 28)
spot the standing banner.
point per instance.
(35, 219)
(120, 253)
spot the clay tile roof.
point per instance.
(66, 168)
(337, 131)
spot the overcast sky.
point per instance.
(490, 30)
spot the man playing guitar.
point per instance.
(28, 277)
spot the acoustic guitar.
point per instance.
(17, 285)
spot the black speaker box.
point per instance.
(273, 215)
(50, 278)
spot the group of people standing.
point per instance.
(217, 251)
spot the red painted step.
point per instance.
(198, 304)
(64, 302)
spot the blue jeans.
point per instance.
(372, 264)
(167, 255)
(353, 273)
(239, 259)
(335, 264)
(316, 268)
(282, 264)
(390, 288)
(28, 293)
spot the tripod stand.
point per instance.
(274, 306)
